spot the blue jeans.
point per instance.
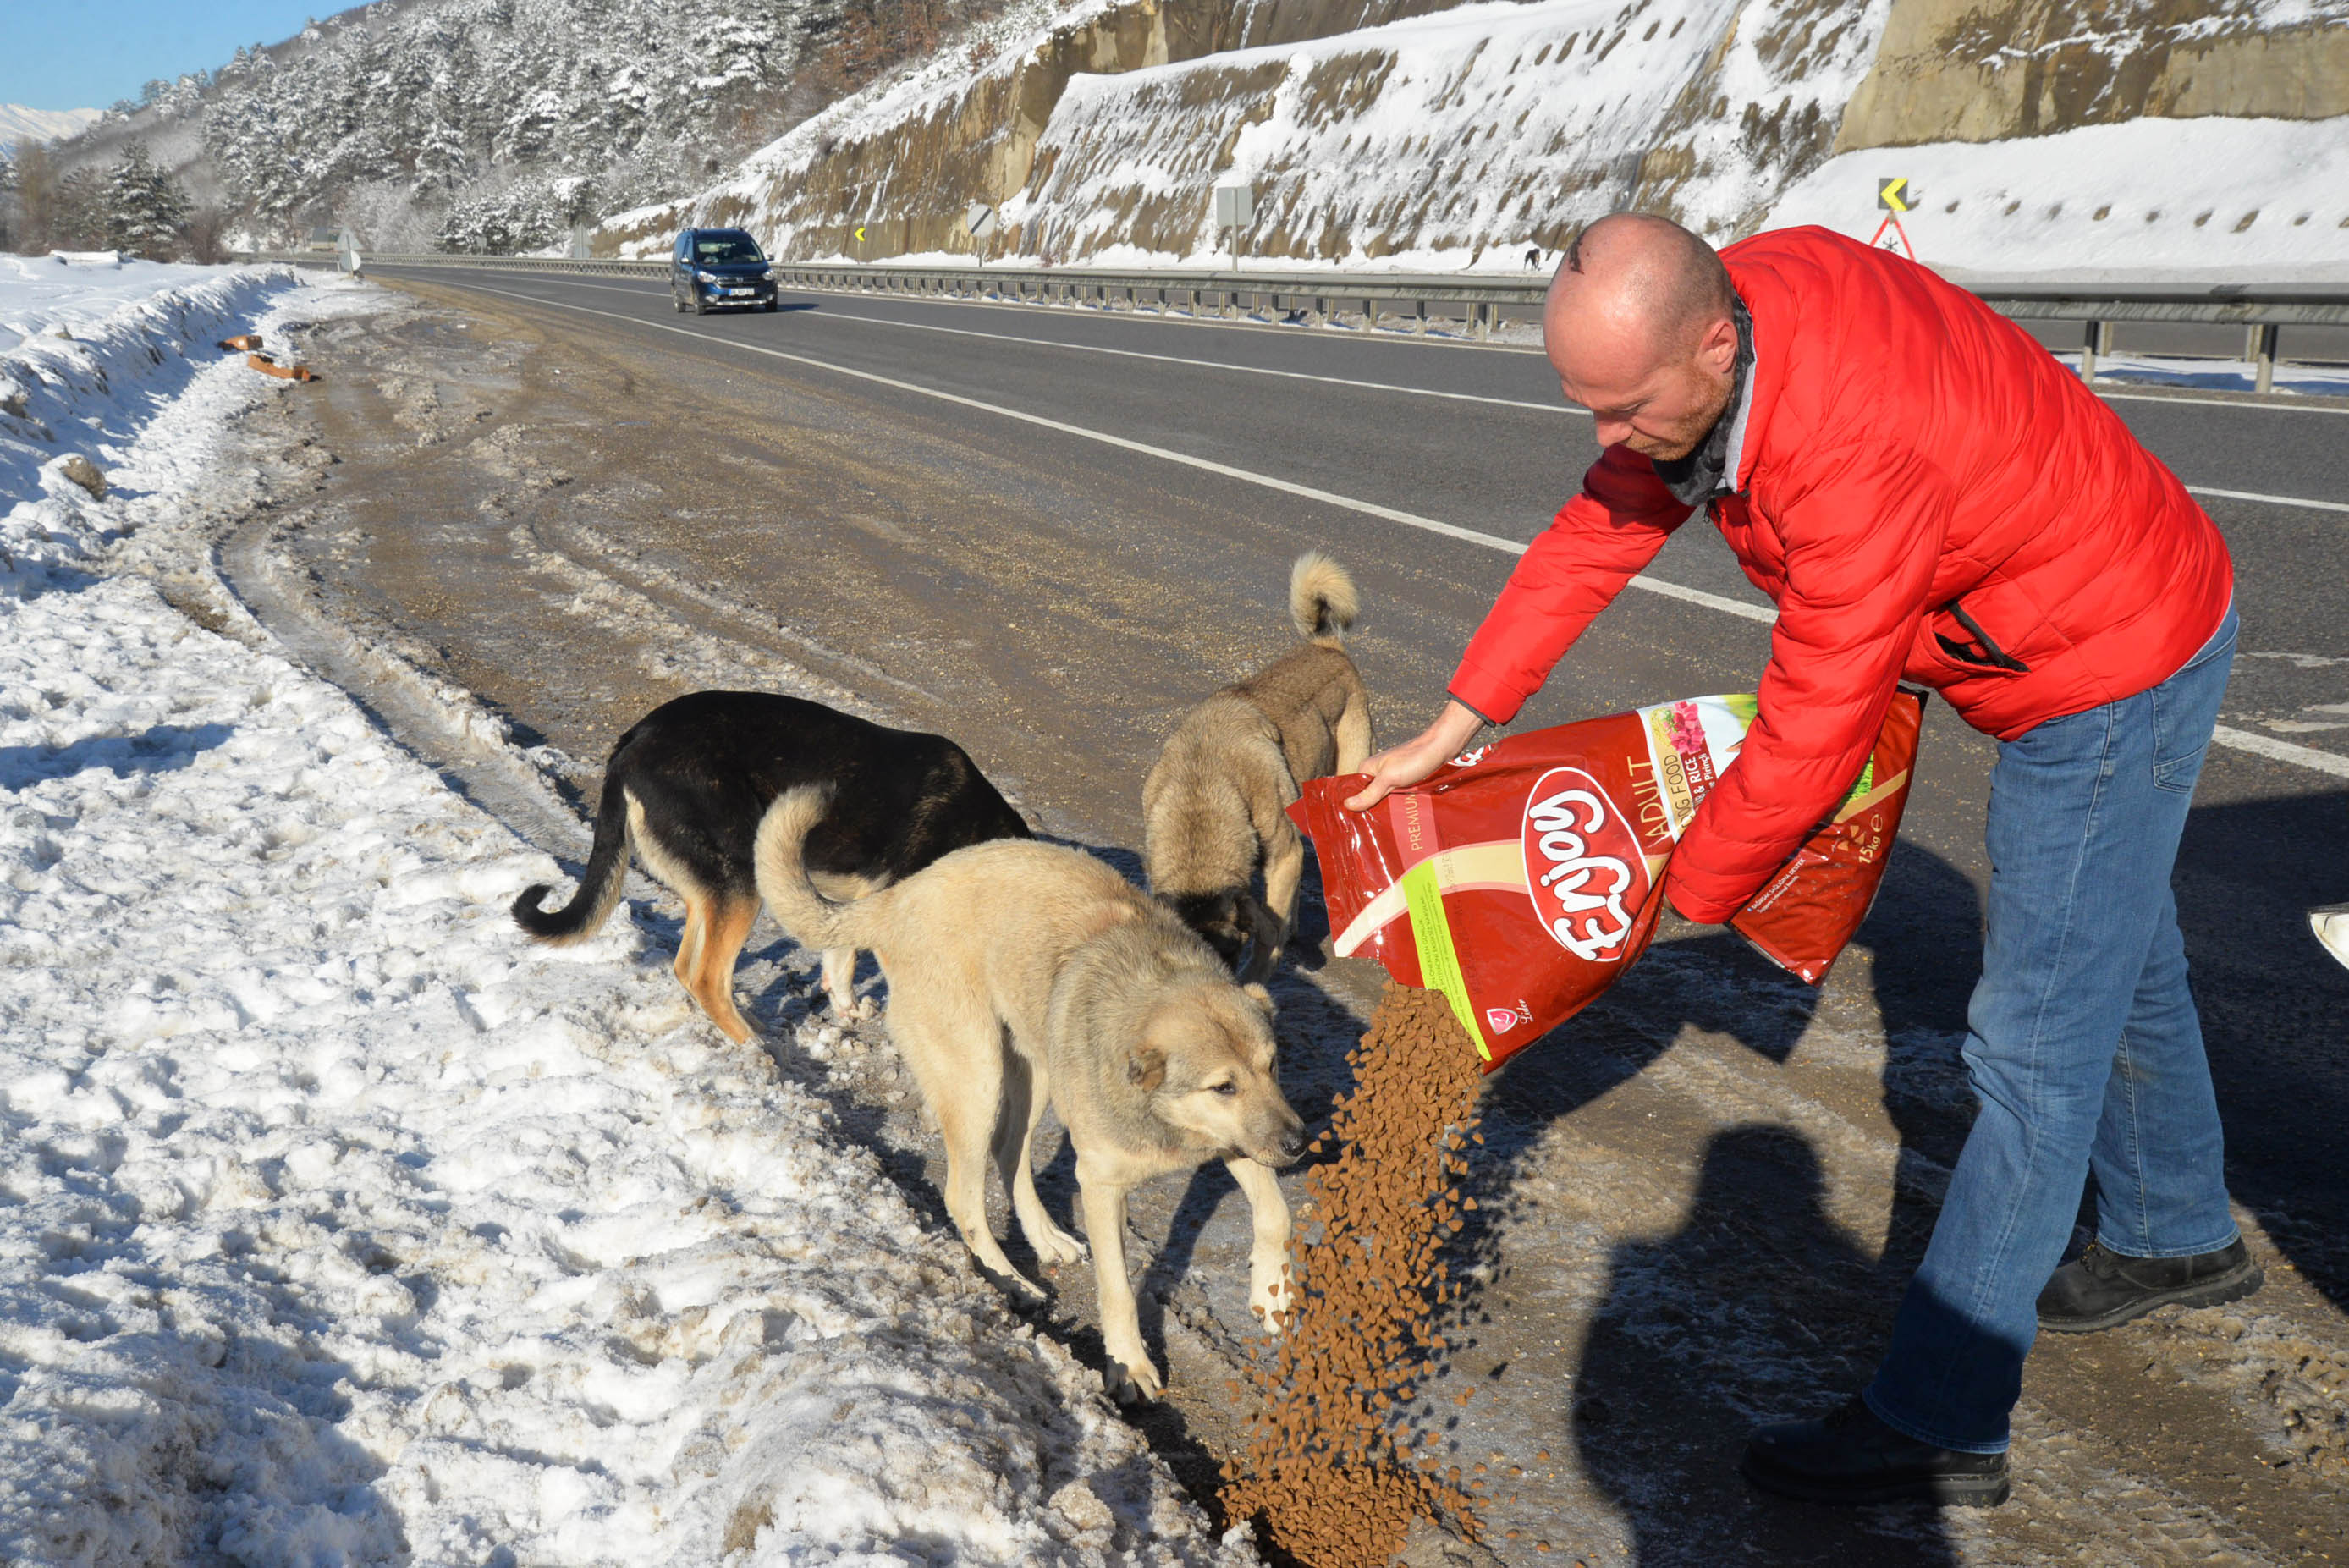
(2082, 1048)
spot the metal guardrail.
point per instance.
(1310, 294)
(2261, 311)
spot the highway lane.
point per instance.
(1053, 600)
(1477, 437)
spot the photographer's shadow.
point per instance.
(1741, 1316)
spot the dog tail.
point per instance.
(781, 862)
(599, 884)
(1321, 600)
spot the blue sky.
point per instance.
(70, 54)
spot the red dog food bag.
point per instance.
(1519, 880)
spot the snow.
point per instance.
(90, 351)
(20, 123)
(338, 1223)
(920, 87)
(1440, 142)
(1436, 143)
(80, 290)
(2211, 199)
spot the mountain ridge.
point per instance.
(18, 122)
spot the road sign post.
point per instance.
(1234, 211)
(1893, 198)
(977, 221)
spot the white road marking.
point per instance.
(2241, 740)
(1560, 408)
(2270, 500)
(2278, 405)
(2282, 750)
(1557, 407)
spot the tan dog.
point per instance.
(1214, 807)
(1022, 974)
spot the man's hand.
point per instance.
(1398, 767)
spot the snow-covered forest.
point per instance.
(501, 125)
(133, 206)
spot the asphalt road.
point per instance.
(1478, 438)
(1047, 531)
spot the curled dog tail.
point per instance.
(599, 884)
(781, 863)
(1321, 600)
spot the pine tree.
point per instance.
(144, 207)
(34, 178)
(77, 213)
(465, 101)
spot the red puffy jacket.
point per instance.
(1913, 462)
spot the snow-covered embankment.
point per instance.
(338, 1223)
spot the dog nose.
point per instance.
(1292, 1144)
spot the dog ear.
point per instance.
(1261, 997)
(1146, 1068)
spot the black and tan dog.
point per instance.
(687, 785)
(1214, 806)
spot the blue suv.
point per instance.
(710, 268)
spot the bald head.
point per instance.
(1642, 274)
(1639, 327)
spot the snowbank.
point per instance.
(338, 1223)
(89, 353)
(2261, 201)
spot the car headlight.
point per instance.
(707, 277)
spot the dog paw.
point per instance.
(1269, 1296)
(1133, 1379)
(1055, 1246)
(852, 1007)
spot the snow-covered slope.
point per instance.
(340, 1224)
(41, 124)
(1437, 141)
(2265, 199)
(1435, 136)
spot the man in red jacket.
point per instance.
(1927, 495)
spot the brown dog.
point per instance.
(1214, 807)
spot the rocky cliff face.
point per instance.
(1395, 130)
(1959, 70)
(1425, 133)
(904, 164)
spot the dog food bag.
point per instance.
(1519, 880)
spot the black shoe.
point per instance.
(2102, 1289)
(1852, 1456)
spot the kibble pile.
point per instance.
(1342, 1453)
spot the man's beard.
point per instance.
(1676, 446)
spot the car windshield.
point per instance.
(724, 248)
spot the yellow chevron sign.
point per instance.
(1892, 195)
(860, 232)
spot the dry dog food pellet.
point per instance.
(1334, 1465)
